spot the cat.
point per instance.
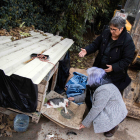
(58, 102)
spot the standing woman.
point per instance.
(116, 52)
(107, 106)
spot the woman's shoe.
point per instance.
(111, 132)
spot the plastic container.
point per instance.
(21, 122)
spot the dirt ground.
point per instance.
(87, 61)
(81, 63)
(128, 130)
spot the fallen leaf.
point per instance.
(11, 117)
(2, 126)
(79, 60)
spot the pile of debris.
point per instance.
(18, 32)
(6, 125)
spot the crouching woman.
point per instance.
(107, 107)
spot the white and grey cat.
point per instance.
(58, 102)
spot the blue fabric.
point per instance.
(79, 103)
(74, 90)
(76, 85)
(78, 78)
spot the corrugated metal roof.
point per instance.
(14, 54)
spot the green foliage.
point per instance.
(24, 34)
(21, 25)
(105, 13)
(67, 16)
(14, 12)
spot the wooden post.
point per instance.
(54, 80)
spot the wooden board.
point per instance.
(131, 94)
(34, 116)
(56, 114)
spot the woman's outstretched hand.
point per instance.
(81, 126)
(82, 53)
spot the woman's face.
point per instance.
(115, 31)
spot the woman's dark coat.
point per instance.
(120, 56)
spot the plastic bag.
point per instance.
(18, 92)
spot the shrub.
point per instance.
(68, 16)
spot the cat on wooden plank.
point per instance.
(57, 103)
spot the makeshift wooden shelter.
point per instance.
(15, 58)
